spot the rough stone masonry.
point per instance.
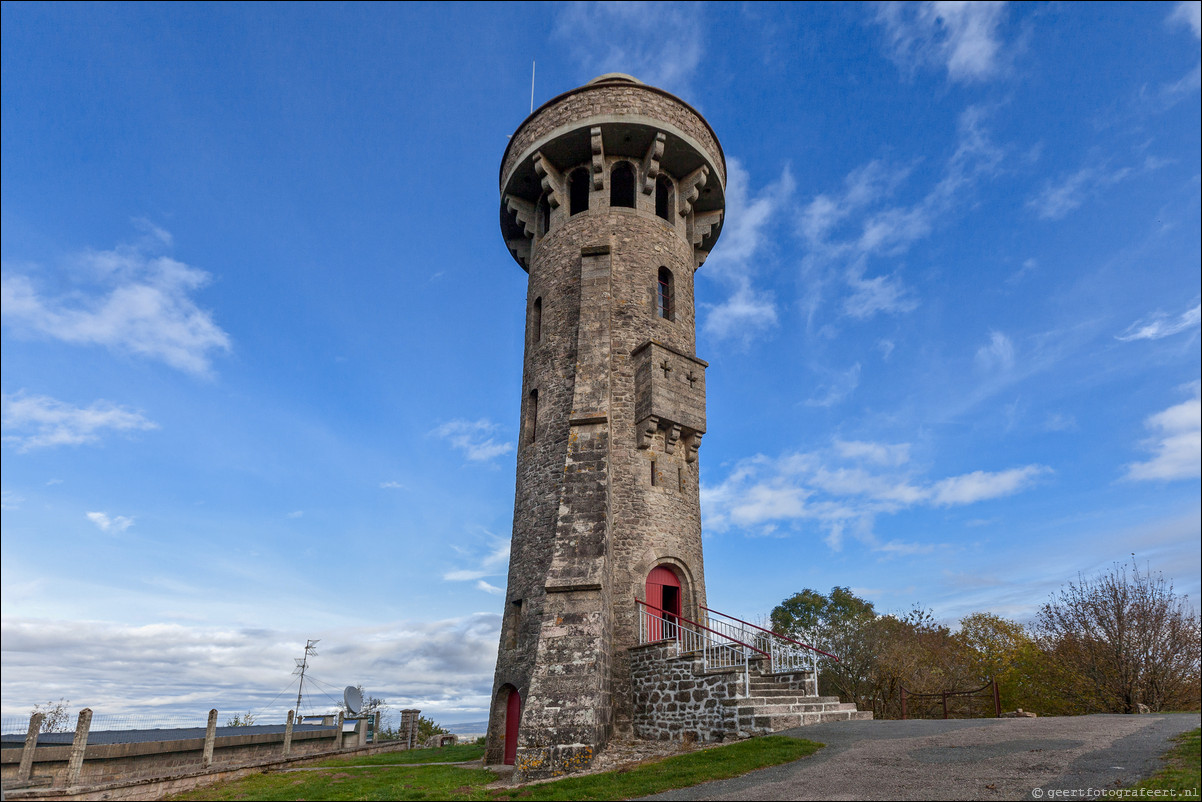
(612, 195)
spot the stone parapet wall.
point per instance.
(617, 99)
(676, 699)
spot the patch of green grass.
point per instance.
(447, 754)
(418, 782)
(680, 771)
(458, 783)
(1183, 770)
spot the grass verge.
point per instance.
(447, 754)
(341, 781)
(1182, 773)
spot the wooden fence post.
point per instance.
(997, 701)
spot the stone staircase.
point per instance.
(783, 701)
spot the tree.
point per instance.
(427, 728)
(57, 716)
(998, 649)
(246, 719)
(1122, 640)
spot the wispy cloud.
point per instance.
(391, 485)
(1160, 325)
(616, 37)
(842, 489)
(1062, 195)
(38, 421)
(998, 355)
(747, 312)
(838, 388)
(491, 564)
(1176, 443)
(10, 500)
(117, 523)
(961, 37)
(476, 439)
(132, 299)
(1188, 13)
(846, 232)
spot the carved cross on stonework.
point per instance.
(666, 367)
(692, 380)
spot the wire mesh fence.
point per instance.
(11, 725)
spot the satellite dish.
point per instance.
(353, 699)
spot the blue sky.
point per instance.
(262, 341)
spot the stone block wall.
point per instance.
(676, 699)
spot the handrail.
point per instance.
(774, 634)
(703, 626)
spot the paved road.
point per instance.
(974, 759)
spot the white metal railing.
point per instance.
(718, 650)
(785, 654)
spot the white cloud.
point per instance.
(846, 231)
(618, 37)
(390, 485)
(10, 500)
(296, 514)
(841, 386)
(493, 563)
(444, 668)
(487, 588)
(38, 421)
(117, 523)
(474, 438)
(983, 485)
(1061, 196)
(1188, 13)
(1161, 325)
(962, 37)
(843, 489)
(998, 355)
(746, 312)
(1177, 443)
(129, 299)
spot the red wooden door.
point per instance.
(513, 714)
(663, 599)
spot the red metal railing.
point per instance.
(772, 634)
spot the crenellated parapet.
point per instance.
(613, 123)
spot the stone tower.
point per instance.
(612, 195)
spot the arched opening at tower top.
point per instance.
(663, 198)
(621, 185)
(578, 190)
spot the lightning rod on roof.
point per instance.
(531, 86)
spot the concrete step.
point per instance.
(779, 709)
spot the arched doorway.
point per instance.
(513, 715)
(663, 593)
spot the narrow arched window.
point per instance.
(578, 191)
(536, 320)
(532, 417)
(621, 185)
(663, 198)
(544, 216)
(664, 295)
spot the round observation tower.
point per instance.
(612, 195)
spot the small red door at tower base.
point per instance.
(513, 714)
(663, 594)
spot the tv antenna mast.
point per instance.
(302, 663)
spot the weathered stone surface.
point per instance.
(600, 501)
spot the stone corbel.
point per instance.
(693, 445)
(650, 167)
(671, 438)
(598, 157)
(690, 188)
(647, 429)
(703, 224)
(520, 248)
(551, 178)
(523, 210)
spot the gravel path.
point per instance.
(973, 759)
